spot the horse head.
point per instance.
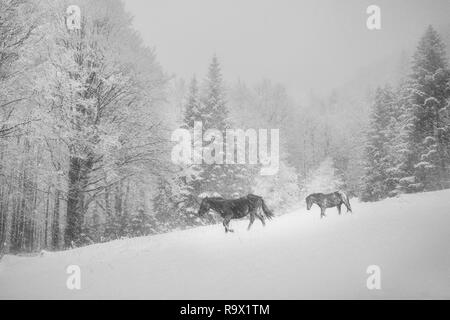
(309, 202)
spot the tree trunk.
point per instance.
(78, 176)
(55, 222)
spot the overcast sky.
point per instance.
(304, 44)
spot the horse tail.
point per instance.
(345, 200)
(269, 214)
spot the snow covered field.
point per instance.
(295, 256)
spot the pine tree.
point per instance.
(401, 148)
(228, 180)
(205, 179)
(430, 137)
(214, 99)
(191, 180)
(193, 109)
(377, 183)
(214, 116)
(170, 206)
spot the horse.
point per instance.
(324, 201)
(229, 209)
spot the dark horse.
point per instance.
(324, 201)
(237, 208)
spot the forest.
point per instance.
(86, 118)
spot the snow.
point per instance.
(295, 256)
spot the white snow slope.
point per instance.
(295, 256)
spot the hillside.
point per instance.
(295, 256)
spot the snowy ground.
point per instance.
(296, 256)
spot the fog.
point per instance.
(305, 45)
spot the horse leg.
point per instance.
(228, 226)
(339, 208)
(348, 209)
(322, 212)
(252, 219)
(261, 217)
(226, 223)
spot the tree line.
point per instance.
(86, 118)
(79, 127)
(85, 138)
(408, 143)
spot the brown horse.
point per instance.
(236, 208)
(324, 201)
